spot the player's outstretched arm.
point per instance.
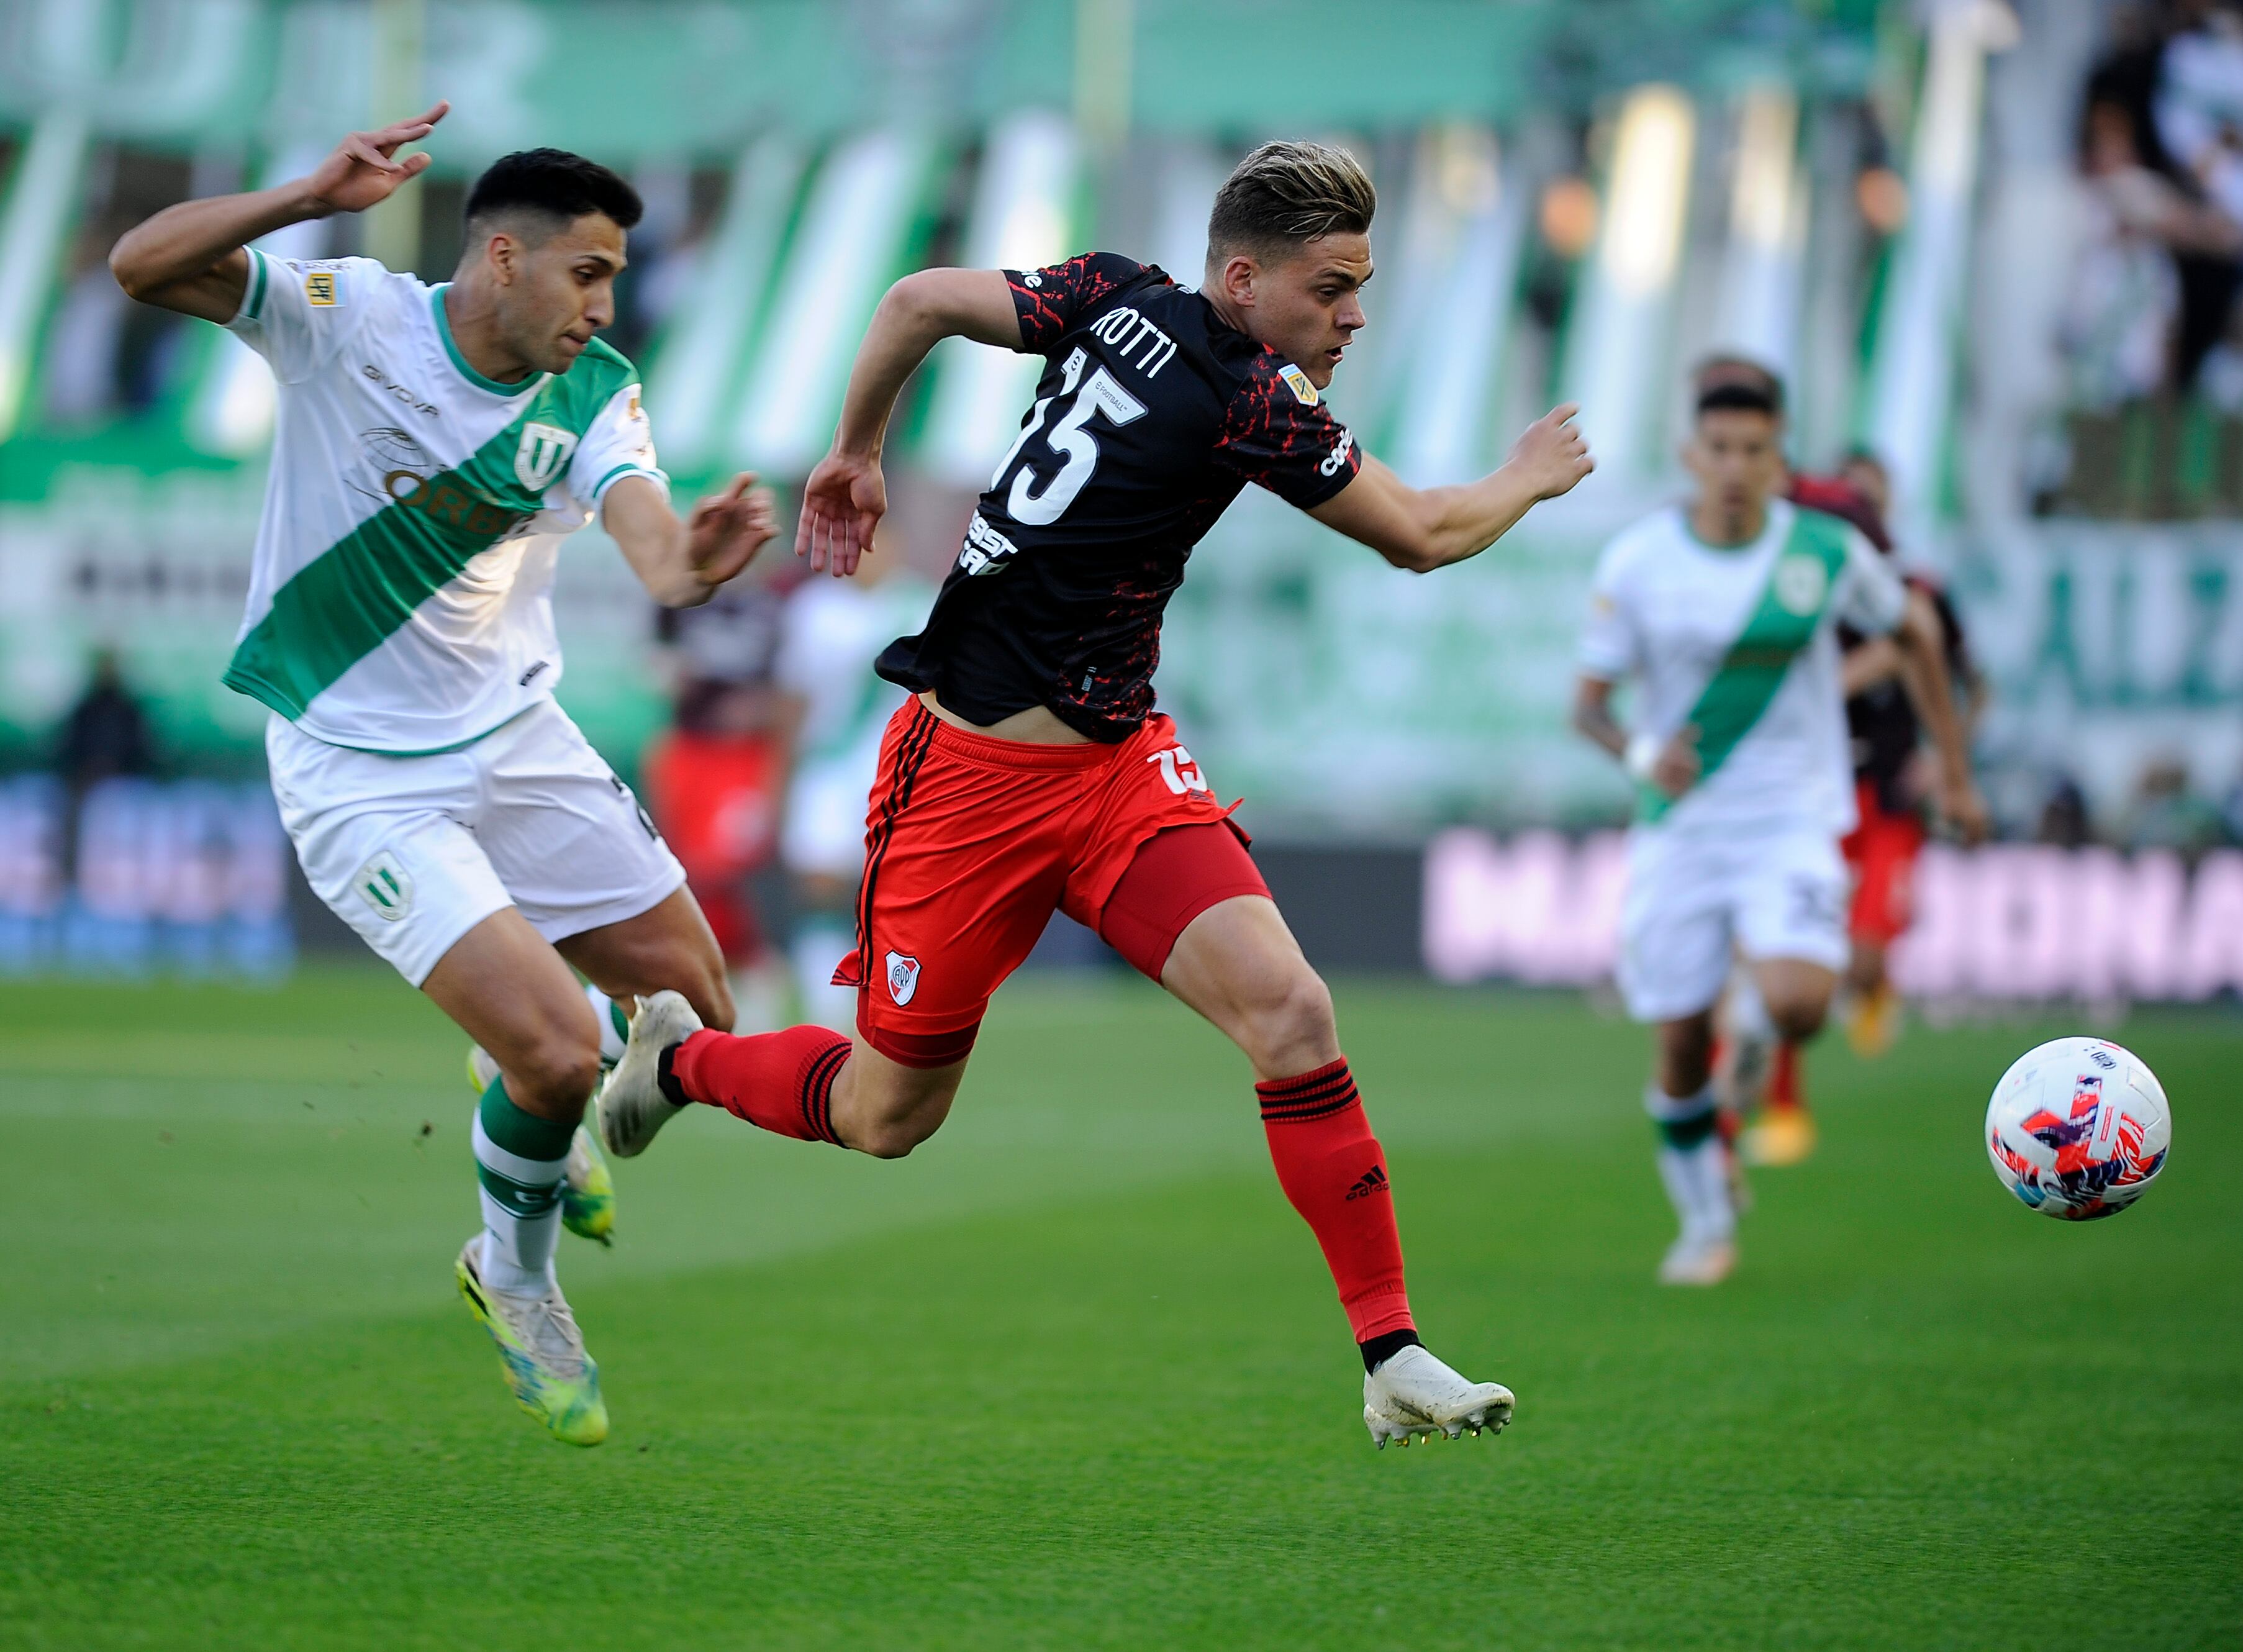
(847, 496)
(682, 561)
(188, 257)
(1923, 644)
(1422, 528)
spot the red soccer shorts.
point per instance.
(972, 843)
(1883, 851)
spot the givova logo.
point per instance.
(384, 885)
(544, 449)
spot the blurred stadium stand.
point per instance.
(1898, 205)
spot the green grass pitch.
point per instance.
(1073, 1375)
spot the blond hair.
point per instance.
(1285, 194)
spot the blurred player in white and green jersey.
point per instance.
(1722, 612)
(435, 445)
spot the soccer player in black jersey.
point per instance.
(1032, 771)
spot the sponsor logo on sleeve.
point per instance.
(1335, 460)
(320, 289)
(1297, 382)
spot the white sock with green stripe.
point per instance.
(520, 1160)
(1691, 1162)
(615, 1026)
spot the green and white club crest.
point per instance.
(1801, 584)
(544, 449)
(384, 885)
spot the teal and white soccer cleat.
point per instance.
(588, 1191)
(631, 1104)
(552, 1377)
(1414, 1396)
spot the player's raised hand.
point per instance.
(842, 502)
(1553, 455)
(363, 169)
(726, 530)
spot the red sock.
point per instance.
(1783, 1090)
(1330, 1167)
(781, 1082)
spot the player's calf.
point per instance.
(807, 1082)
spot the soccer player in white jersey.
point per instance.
(1722, 611)
(433, 445)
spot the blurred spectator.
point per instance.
(835, 629)
(2064, 819)
(2130, 327)
(105, 738)
(2198, 102)
(86, 339)
(2167, 814)
(714, 779)
(106, 733)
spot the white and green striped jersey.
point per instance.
(1738, 642)
(400, 598)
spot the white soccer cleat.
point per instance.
(1414, 1394)
(631, 1105)
(1697, 1259)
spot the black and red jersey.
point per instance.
(1880, 721)
(1152, 413)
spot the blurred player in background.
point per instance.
(433, 445)
(717, 777)
(1758, 1073)
(835, 629)
(1723, 611)
(1030, 771)
(1891, 789)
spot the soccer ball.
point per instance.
(2079, 1129)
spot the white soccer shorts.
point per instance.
(1694, 901)
(413, 851)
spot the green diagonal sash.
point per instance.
(345, 603)
(1792, 603)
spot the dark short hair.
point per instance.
(555, 184)
(1284, 195)
(1739, 398)
(1726, 372)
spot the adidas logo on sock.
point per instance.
(1372, 1181)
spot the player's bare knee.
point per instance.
(894, 1132)
(555, 1075)
(1799, 1018)
(1292, 1027)
(891, 1139)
